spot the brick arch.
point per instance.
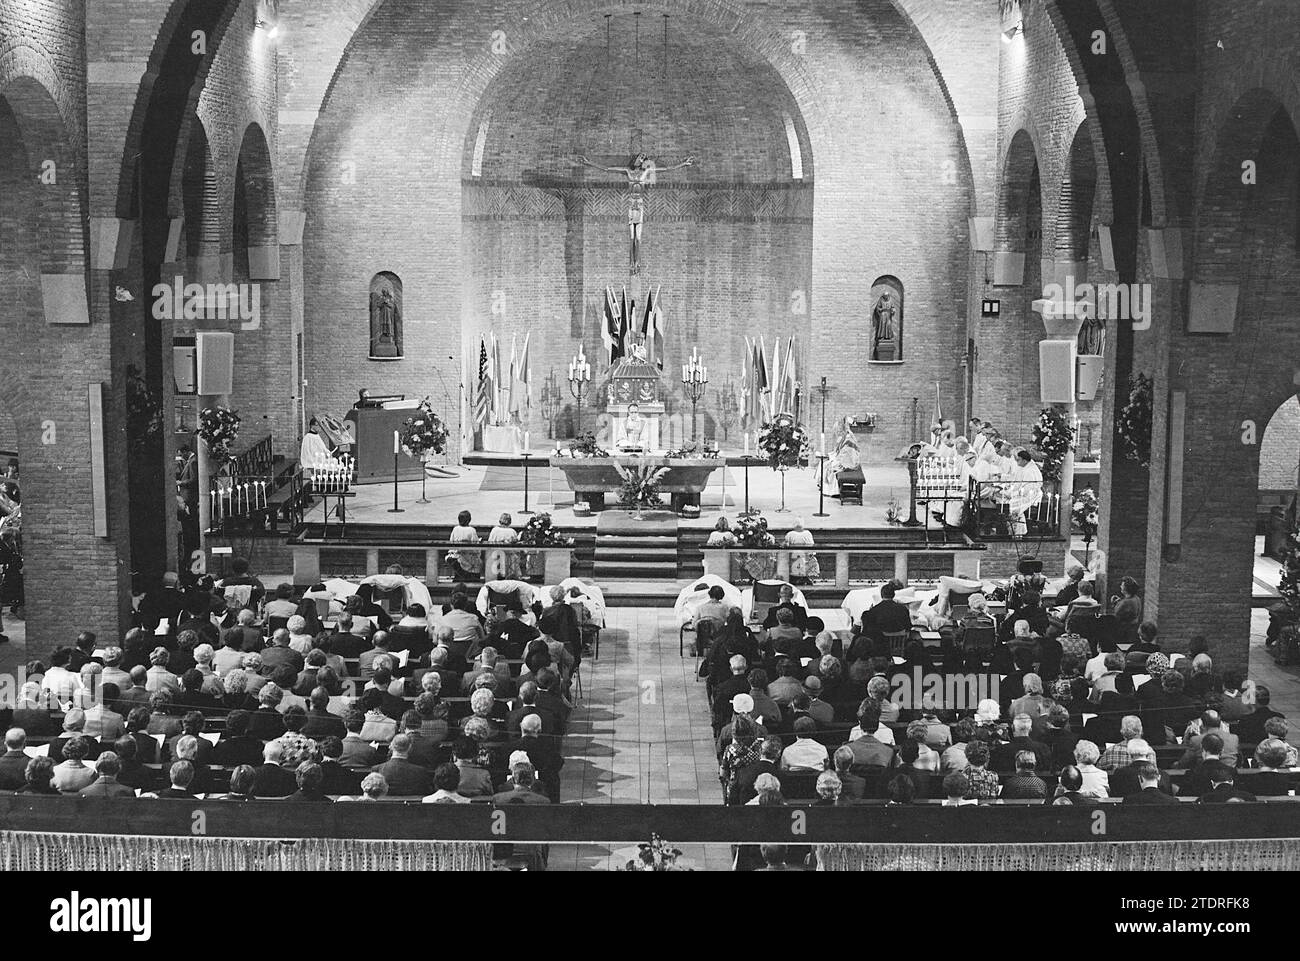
(200, 200)
(255, 177)
(1223, 225)
(1019, 169)
(1075, 198)
(326, 41)
(60, 205)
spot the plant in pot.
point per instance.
(751, 531)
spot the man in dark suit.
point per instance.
(1222, 788)
(136, 694)
(543, 752)
(13, 765)
(526, 704)
(1126, 779)
(1211, 752)
(769, 762)
(1004, 755)
(1031, 610)
(131, 771)
(1149, 792)
(165, 601)
(1210, 725)
(787, 602)
(280, 654)
(737, 683)
(191, 724)
(272, 780)
(343, 642)
(358, 755)
(549, 699)
(1250, 729)
(236, 747)
(199, 621)
(338, 779)
(106, 784)
(405, 778)
(520, 789)
(887, 617)
(181, 774)
(511, 635)
(1056, 734)
(320, 723)
(426, 751)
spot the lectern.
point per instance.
(373, 428)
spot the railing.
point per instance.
(996, 509)
(852, 565)
(257, 461)
(556, 562)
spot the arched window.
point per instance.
(385, 316)
(886, 319)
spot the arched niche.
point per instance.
(886, 328)
(386, 316)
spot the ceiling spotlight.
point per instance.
(1012, 32)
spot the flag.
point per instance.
(652, 328)
(611, 331)
(788, 398)
(496, 380)
(511, 404)
(482, 395)
(525, 373)
(625, 322)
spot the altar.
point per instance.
(590, 478)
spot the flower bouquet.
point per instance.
(785, 442)
(423, 432)
(1054, 436)
(657, 855)
(1133, 423)
(751, 531)
(218, 428)
(540, 532)
(584, 445)
(640, 487)
(1083, 513)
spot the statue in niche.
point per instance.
(641, 172)
(385, 316)
(1092, 336)
(886, 321)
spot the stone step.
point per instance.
(623, 540)
(634, 569)
(635, 554)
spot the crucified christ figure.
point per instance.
(641, 172)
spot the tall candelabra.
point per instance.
(552, 401)
(579, 377)
(695, 379)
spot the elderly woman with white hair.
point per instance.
(804, 568)
(482, 702)
(1096, 782)
(1033, 703)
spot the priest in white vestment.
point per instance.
(1024, 491)
(314, 454)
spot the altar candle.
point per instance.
(746, 443)
(528, 441)
(397, 443)
(823, 442)
(212, 502)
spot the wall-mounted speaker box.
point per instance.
(1056, 371)
(1088, 369)
(215, 362)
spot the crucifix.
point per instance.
(641, 172)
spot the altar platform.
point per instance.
(488, 485)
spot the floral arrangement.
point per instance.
(893, 511)
(540, 532)
(1054, 436)
(657, 855)
(751, 531)
(1133, 424)
(640, 485)
(785, 443)
(584, 445)
(1084, 513)
(423, 432)
(692, 450)
(218, 428)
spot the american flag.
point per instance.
(483, 395)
